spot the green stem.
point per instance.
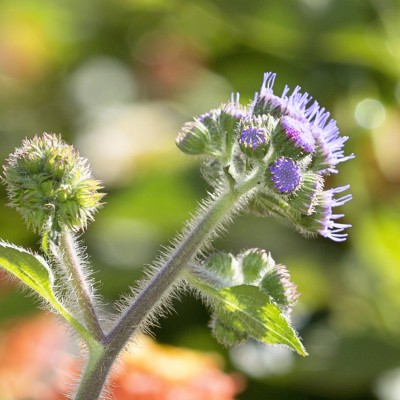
(94, 365)
(162, 283)
(71, 261)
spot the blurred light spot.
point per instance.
(258, 360)
(370, 113)
(393, 46)
(118, 136)
(387, 387)
(125, 243)
(102, 82)
(317, 5)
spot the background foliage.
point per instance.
(118, 78)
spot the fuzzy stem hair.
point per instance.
(153, 295)
(68, 255)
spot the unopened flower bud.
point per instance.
(278, 285)
(46, 179)
(255, 263)
(253, 142)
(194, 138)
(306, 197)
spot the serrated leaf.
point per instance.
(34, 272)
(248, 310)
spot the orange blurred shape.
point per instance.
(39, 361)
(150, 371)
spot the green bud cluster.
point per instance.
(50, 185)
(254, 267)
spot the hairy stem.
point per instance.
(162, 283)
(72, 263)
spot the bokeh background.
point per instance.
(119, 77)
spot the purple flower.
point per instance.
(253, 138)
(235, 109)
(286, 175)
(328, 227)
(295, 105)
(329, 143)
(299, 133)
(210, 115)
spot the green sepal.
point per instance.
(255, 264)
(224, 266)
(277, 284)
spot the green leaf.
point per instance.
(34, 272)
(29, 268)
(251, 312)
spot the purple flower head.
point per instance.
(286, 175)
(234, 108)
(267, 99)
(210, 115)
(297, 105)
(299, 133)
(328, 227)
(253, 138)
(329, 143)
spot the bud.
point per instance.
(224, 266)
(254, 142)
(255, 263)
(194, 138)
(306, 197)
(46, 180)
(278, 285)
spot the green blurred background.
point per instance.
(119, 77)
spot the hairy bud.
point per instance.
(48, 182)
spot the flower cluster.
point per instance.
(293, 144)
(49, 183)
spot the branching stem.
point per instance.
(161, 284)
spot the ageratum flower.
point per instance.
(329, 142)
(326, 219)
(286, 175)
(299, 133)
(308, 127)
(293, 145)
(48, 182)
(294, 106)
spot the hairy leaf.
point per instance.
(34, 272)
(250, 312)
